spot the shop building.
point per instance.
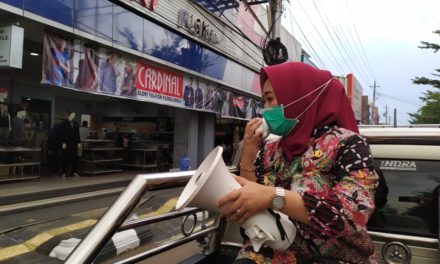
(177, 77)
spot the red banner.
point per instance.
(155, 80)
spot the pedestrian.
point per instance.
(318, 171)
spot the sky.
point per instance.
(376, 40)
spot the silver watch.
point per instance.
(279, 199)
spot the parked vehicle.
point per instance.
(404, 226)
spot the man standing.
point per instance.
(188, 94)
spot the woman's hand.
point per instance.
(251, 141)
(240, 204)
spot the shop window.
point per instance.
(94, 17)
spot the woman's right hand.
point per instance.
(251, 142)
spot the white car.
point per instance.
(404, 225)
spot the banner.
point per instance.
(81, 65)
(201, 95)
(239, 106)
(57, 61)
(153, 83)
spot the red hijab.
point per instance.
(293, 80)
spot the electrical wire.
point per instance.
(352, 42)
(399, 99)
(322, 65)
(231, 24)
(345, 48)
(233, 42)
(144, 16)
(293, 35)
(335, 42)
(237, 29)
(322, 39)
(360, 42)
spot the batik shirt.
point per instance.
(335, 177)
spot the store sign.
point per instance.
(197, 27)
(11, 46)
(156, 83)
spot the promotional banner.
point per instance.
(115, 73)
(239, 106)
(81, 65)
(200, 95)
(153, 83)
(87, 67)
(57, 61)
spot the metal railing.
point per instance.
(113, 219)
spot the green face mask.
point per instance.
(280, 125)
(277, 122)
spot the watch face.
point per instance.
(278, 202)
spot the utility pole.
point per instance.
(275, 17)
(374, 100)
(386, 114)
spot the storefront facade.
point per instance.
(166, 72)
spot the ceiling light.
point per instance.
(34, 54)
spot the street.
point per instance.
(37, 233)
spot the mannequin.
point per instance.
(17, 129)
(69, 140)
(17, 139)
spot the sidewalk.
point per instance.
(48, 183)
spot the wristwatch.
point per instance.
(279, 199)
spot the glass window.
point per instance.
(213, 64)
(127, 28)
(155, 40)
(176, 45)
(407, 197)
(94, 17)
(192, 56)
(16, 3)
(57, 10)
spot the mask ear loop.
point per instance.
(323, 86)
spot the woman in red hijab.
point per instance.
(319, 171)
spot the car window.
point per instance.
(406, 198)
